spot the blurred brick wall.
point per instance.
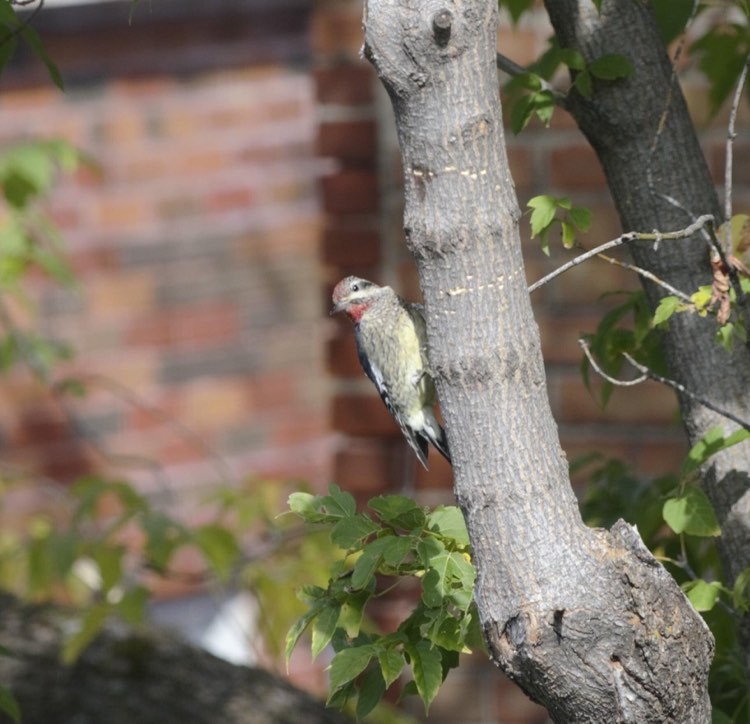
(196, 246)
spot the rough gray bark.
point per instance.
(643, 165)
(586, 621)
(144, 677)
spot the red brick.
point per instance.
(342, 354)
(336, 30)
(560, 333)
(364, 466)
(229, 200)
(350, 192)
(346, 84)
(348, 242)
(521, 167)
(439, 474)
(211, 323)
(352, 142)
(648, 403)
(575, 168)
(363, 416)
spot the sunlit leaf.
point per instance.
(691, 513)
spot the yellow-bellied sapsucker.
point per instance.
(392, 346)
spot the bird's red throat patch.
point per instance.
(355, 311)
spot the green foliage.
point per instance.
(722, 53)
(691, 512)
(395, 539)
(516, 8)
(626, 327)
(671, 17)
(548, 211)
(529, 94)
(11, 28)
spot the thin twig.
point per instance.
(731, 135)
(648, 275)
(657, 236)
(682, 389)
(512, 68)
(648, 374)
(613, 380)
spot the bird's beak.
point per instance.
(339, 307)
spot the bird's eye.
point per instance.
(355, 287)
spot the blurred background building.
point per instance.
(246, 161)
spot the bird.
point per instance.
(391, 338)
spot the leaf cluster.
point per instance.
(548, 211)
(530, 93)
(628, 327)
(394, 540)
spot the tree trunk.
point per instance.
(145, 677)
(645, 161)
(586, 621)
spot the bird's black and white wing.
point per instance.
(417, 442)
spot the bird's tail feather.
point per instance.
(436, 435)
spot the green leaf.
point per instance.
(583, 83)
(396, 549)
(8, 45)
(543, 104)
(691, 513)
(323, 628)
(351, 531)
(109, 562)
(449, 522)
(352, 612)
(580, 217)
(611, 67)
(91, 624)
(568, 235)
(721, 54)
(32, 38)
(521, 113)
(398, 511)
(543, 213)
(163, 537)
(220, 548)
(371, 691)
(711, 443)
(666, 308)
(671, 16)
(392, 663)
(426, 664)
(323, 508)
(572, 58)
(132, 606)
(366, 565)
(348, 664)
(517, 8)
(9, 705)
(53, 264)
(740, 591)
(296, 631)
(701, 594)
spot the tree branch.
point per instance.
(731, 135)
(656, 236)
(649, 374)
(509, 66)
(648, 275)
